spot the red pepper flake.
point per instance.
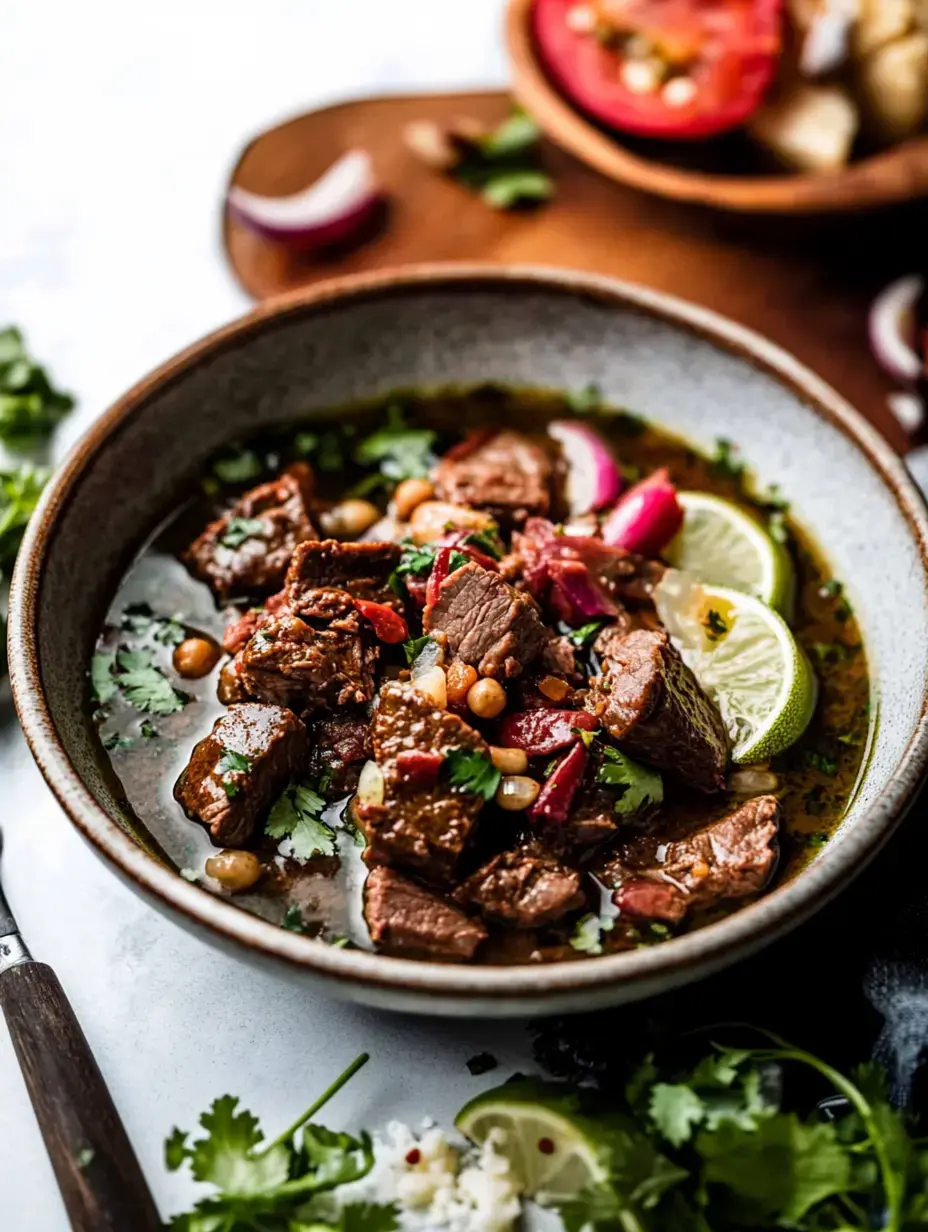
(546, 1146)
(413, 1157)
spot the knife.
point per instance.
(96, 1168)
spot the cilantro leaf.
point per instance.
(232, 763)
(20, 490)
(297, 816)
(145, 686)
(587, 935)
(639, 787)
(584, 400)
(510, 188)
(238, 466)
(586, 633)
(726, 460)
(30, 406)
(675, 1109)
(399, 451)
(227, 1157)
(141, 621)
(103, 686)
(472, 772)
(414, 647)
(293, 920)
(518, 134)
(175, 1150)
(239, 530)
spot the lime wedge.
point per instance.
(721, 546)
(746, 659)
(553, 1149)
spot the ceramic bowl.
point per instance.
(706, 173)
(683, 367)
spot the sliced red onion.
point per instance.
(593, 478)
(646, 518)
(557, 794)
(334, 210)
(573, 593)
(892, 327)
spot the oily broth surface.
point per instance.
(816, 777)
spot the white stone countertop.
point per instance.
(118, 125)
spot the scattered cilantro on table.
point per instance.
(638, 786)
(30, 406)
(20, 489)
(472, 772)
(504, 166)
(297, 816)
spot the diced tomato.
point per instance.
(557, 795)
(418, 767)
(694, 68)
(388, 625)
(542, 732)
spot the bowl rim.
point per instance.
(578, 984)
(894, 175)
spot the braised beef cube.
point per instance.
(291, 662)
(231, 688)
(592, 818)
(407, 919)
(525, 888)
(504, 472)
(248, 549)
(651, 703)
(728, 859)
(488, 623)
(341, 744)
(631, 578)
(422, 826)
(237, 772)
(559, 658)
(239, 630)
(362, 570)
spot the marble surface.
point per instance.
(118, 125)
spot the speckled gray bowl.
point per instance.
(683, 367)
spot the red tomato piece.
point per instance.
(542, 732)
(418, 767)
(388, 626)
(723, 53)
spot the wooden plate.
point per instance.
(899, 174)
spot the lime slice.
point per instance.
(553, 1149)
(721, 546)
(746, 659)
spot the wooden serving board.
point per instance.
(805, 284)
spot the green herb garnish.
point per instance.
(400, 452)
(325, 447)
(639, 787)
(504, 190)
(239, 530)
(588, 935)
(414, 647)
(714, 626)
(103, 686)
(30, 406)
(586, 400)
(504, 165)
(139, 620)
(297, 817)
(484, 541)
(147, 730)
(821, 763)
(472, 772)
(777, 527)
(113, 741)
(229, 764)
(141, 684)
(586, 634)
(20, 490)
(293, 920)
(238, 467)
(726, 461)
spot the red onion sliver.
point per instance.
(646, 518)
(593, 478)
(892, 328)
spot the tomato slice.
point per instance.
(700, 67)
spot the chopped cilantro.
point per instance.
(239, 530)
(297, 816)
(417, 561)
(103, 686)
(830, 652)
(238, 466)
(85, 1157)
(325, 447)
(777, 527)
(817, 840)
(639, 787)
(585, 400)
(147, 730)
(518, 134)
(414, 647)
(113, 742)
(399, 451)
(145, 686)
(482, 1063)
(714, 626)
(506, 189)
(586, 633)
(472, 772)
(293, 920)
(726, 461)
(229, 764)
(141, 621)
(821, 763)
(504, 165)
(587, 936)
(20, 490)
(485, 541)
(832, 589)
(30, 406)
(772, 499)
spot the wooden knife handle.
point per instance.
(99, 1176)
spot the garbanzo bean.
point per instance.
(234, 870)
(196, 657)
(461, 678)
(487, 699)
(350, 518)
(410, 494)
(431, 520)
(509, 761)
(517, 792)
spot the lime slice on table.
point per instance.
(720, 545)
(746, 659)
(553, 1149)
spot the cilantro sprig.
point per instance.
(297, 816)
(398, 451)
(473, 772)
(638, 786)
(280, 1186)
(504, 165)
(239, 530)
(30, 406)
(133, 675)
(20, 489)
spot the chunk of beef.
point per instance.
(559, 658)
(592, 818)
(503, 472)
(424, 827)
(487, 622)
(730, 858)
(525, 888)
(230, 688)
(246, 626)
(650, 701)
(248, 549)
(341, 744)
(293, 663)
(223, 794)
(405, 918)
(361, 570)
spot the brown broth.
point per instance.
(817, 776)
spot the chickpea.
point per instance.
(234, 870)
(461, 678)
(431, 519)
(517, 792)
(349, 519)
(196, 657)
(509, 761)
(487, 699)
(409, 494)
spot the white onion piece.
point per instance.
(593, 478)
(370, 784)
(433, 684)
(908, 409)
(892, 327)
(827, 41)
(431, 655)
(331, 211)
